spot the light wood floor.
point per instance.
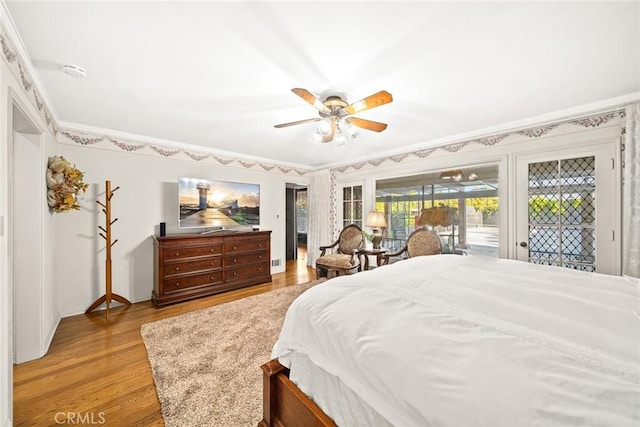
(97, 371)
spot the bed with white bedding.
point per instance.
(465, 341)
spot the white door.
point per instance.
(568, 209)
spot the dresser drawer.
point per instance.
(251, 270)
(179, 283)
(182, 267)
(245, 245)
(247, 258)
(191, 240)
(191, 252)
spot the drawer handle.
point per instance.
(260, 245)
(211, 278)
(177, 268)
(211, 249)
(235, 260)
(235, 273)
(211, 263)
(177, 284)
(259, 256)
(260, 269)
(177, 253)
(235, 247)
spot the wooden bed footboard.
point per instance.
(284, 404)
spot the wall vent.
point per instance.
(275, 262)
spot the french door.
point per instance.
(568, 209)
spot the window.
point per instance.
(472, 192)
(352, 206)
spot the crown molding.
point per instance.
(536, 122)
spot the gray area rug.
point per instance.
(206, 364)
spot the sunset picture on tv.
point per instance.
(205, 203)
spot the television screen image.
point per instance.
(221, 204)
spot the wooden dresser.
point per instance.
(190, 266)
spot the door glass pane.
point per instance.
(357, 211)
(543, 244)
(346, 210)
(346, 193)
(357, 192)
(562, 213)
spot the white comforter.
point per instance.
(471, 341)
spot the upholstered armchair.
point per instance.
(421, 242)
(344, 258)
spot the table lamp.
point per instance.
(376, 220)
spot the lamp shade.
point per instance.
(376, 219)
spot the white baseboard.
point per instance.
(52, 332)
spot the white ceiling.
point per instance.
(219, 74)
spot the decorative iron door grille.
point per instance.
(562, 227)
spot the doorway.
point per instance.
(296, 222)
(25, 232)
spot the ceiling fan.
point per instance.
(335, 115)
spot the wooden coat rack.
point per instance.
(106, 234)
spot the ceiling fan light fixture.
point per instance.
(324, 127)
(348, 129)
(333, 123)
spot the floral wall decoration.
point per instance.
(64, 182)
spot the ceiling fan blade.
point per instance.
(329, 138)
(375, 100)
(311, 99)
(299, 122)
(367, 124)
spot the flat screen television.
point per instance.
(220, 205)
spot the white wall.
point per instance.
(148, 195)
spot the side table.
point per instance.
(371, 251)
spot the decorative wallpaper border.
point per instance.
(489, 141)
(85, 139)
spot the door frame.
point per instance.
(607, 156)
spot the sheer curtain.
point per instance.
(631, 194)
(319, 202)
